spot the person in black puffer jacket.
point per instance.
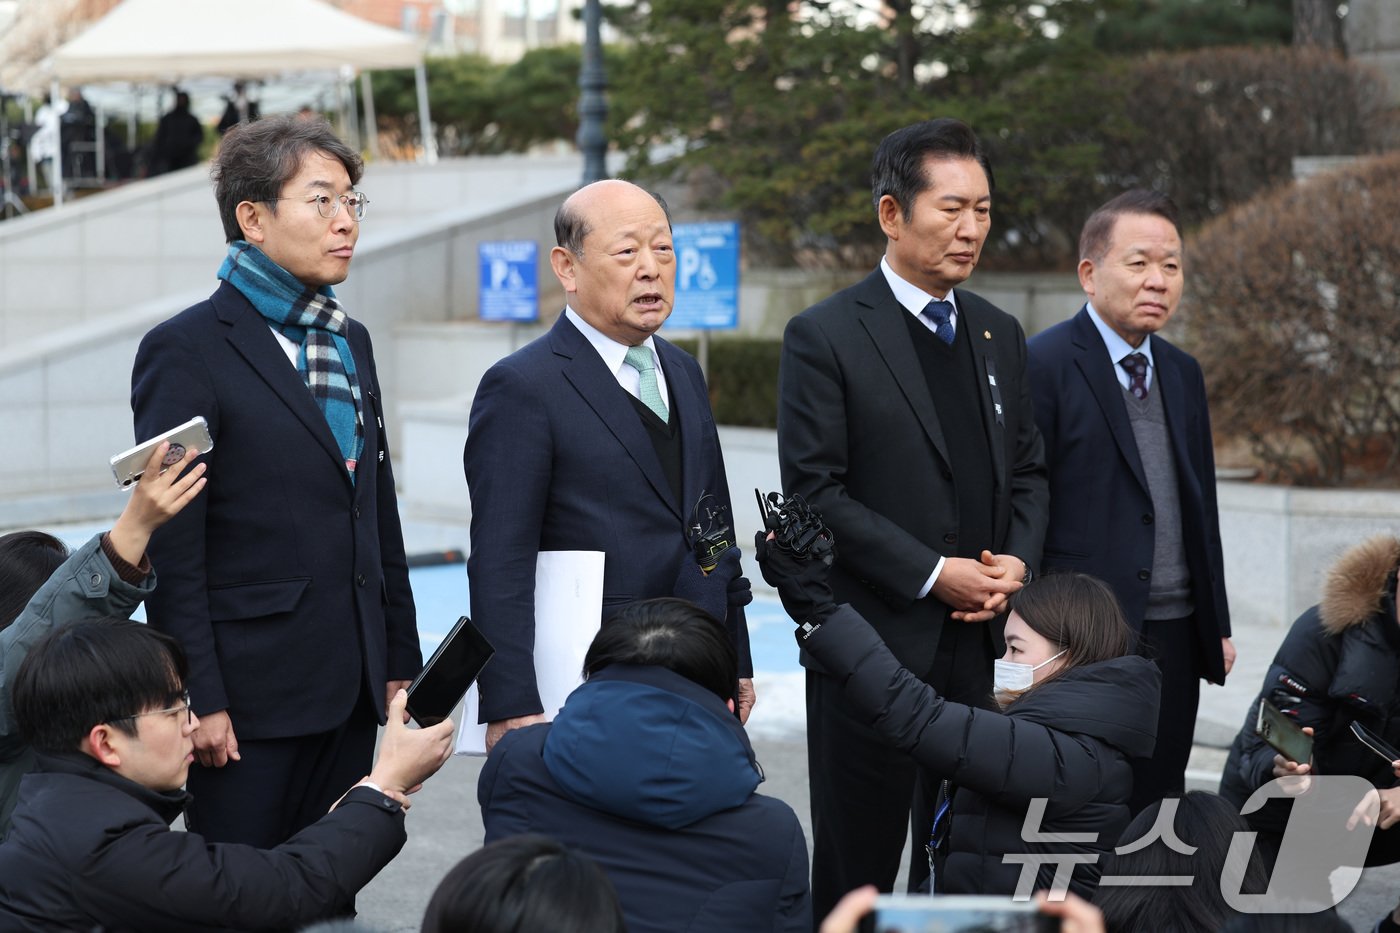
(1337, 665)
(1076, 706)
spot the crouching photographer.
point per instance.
(1075, 706)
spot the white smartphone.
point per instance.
(901, 913)
(128, 465)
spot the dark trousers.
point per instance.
(281, 786)
(1172, 644)
(864, 792)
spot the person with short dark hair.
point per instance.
(287, 585)
(905, 418)
(1076, 707)
(524, 884)
(1202, 827)
(104, 704)
(1132, 464)
(647, 771)
(239, 108)
(178, 138)
(42, 587)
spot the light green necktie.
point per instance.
(640, 359)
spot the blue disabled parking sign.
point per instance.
(509, 287)
(707, 276)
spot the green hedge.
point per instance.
(743, 379)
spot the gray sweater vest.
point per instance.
(1169, 593)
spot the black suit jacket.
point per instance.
(557, 459)
(859, 438)
(1100, 507)
(285, 582)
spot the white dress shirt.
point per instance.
(614, 356)
(1118, 348)
(914, 299)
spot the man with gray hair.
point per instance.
(597, 436)
(1132, 466)
(288, 589)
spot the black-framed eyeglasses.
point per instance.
(328, 205)
(184, 705)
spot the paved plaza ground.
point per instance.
(445, 822)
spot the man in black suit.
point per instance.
(597, 436)
(1132, 466)
(288, 588)
(905, 418)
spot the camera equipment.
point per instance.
(796, 527)
(710, 531)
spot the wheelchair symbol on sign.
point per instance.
(505, 275)
(696, 270)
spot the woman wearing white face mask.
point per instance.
(1076, 705)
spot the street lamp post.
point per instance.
(593, 106)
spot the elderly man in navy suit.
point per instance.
(597, 436)
(1132, 466)
(287, 587)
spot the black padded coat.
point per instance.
(1336, 666)
(91, 850)
(1067, 741)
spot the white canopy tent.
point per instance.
(165, 41)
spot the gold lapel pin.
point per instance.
(987, 334)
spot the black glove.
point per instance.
(801, 582)
(740, 589)
(710, 592)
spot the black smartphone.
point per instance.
(1375, 743)
(913, 913)
(1283, 734)
(449, 673)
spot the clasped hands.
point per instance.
(977, 590)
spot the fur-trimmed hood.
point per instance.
(1360, 584)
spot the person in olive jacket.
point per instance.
(42, 587)
(1075, 708)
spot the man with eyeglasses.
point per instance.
(289, 588)
(102, 703)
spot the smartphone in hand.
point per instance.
(128, 465)
(1375, 743)
(1283, 734)
(449, 673)
(902, 913)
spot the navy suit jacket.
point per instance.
(1100, 507)
(285, 582)
(860, 439)
(557, 459)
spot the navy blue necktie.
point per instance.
(1136, 365)
(941, 314)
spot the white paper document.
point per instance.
(568, 612)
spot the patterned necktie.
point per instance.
(1136, 365)
(640, 359)
(941, 314)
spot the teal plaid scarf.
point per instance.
(315, 320)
